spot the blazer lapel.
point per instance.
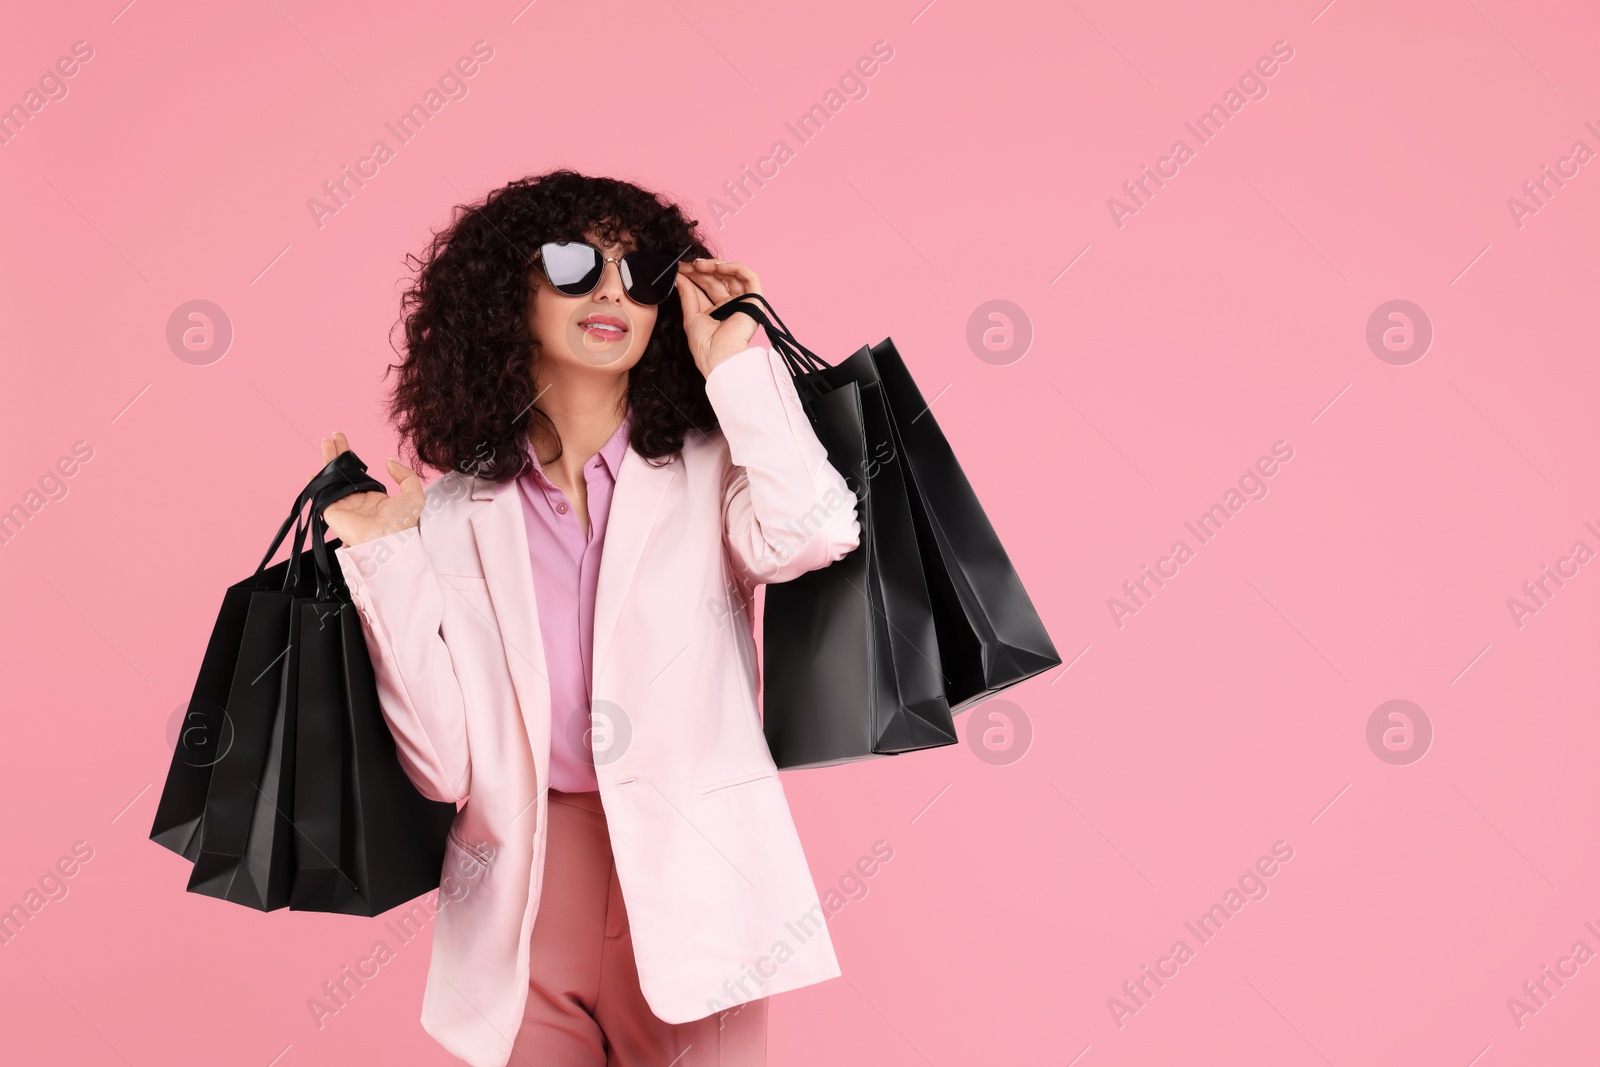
(641, 488)
(502, 538)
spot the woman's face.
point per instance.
(568, 328)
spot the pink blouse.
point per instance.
(566, 573)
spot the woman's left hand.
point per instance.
(704, 284)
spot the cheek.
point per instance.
(642, 318)
(549, 319)
(644, 322)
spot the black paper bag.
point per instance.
(285, 788)
(366, 839)
(851, 656)
(990, 635)
(247, 839)
(851, 663)
(207, 733)
(985, 635)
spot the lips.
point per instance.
(604, 325)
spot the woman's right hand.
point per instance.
(362, 517)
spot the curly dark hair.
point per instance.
(463, 397)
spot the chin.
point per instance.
(606, 359)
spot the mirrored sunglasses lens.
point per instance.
(572, 268)
(649, 276)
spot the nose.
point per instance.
(610, 287)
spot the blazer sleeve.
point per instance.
(785, 509)
(397, 593)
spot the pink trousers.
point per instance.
(584, 1003)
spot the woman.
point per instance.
(561, 633)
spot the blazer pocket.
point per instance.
(466, 583)
(733, 783)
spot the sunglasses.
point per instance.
(575, 267)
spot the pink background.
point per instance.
(1227, 314)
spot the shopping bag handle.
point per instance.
(344, 471)
(330, 584)
(797, 357)
(343, 475)
(330, 579)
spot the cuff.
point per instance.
(365, 564)
(749, 357)
(755, 372)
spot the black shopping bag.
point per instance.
(366, 840)
(851, 657)
(246, 837)
(230, 794)
(990, 635)
(244, 843)
(207, 733)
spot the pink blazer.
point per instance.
(721, 903)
